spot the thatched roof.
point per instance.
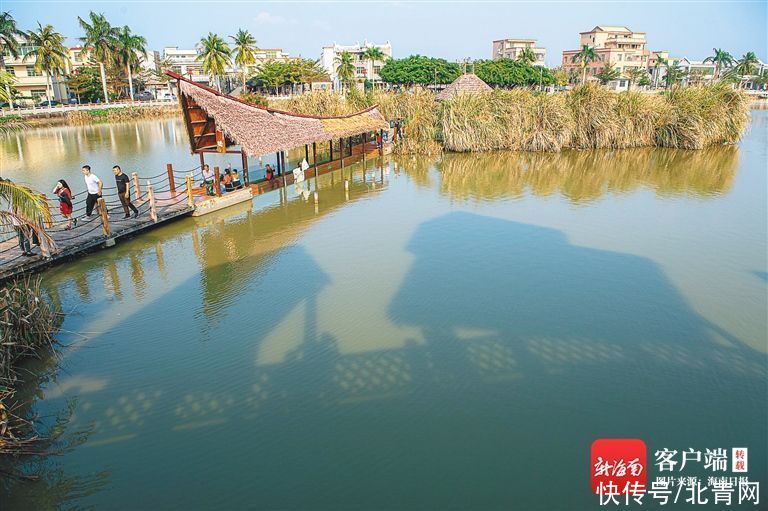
(467, 83)
(260, 130)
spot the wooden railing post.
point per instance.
(151, 198)
(171, 182)
(217, 181)
(136, 185)
(104, 216)
(190, 197)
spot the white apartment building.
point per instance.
(511, 48)
(32, 86)
(185, 63)
(364, 69)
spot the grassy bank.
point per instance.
(586, 117)
(128, 113)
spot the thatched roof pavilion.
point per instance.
(215, 121)
(467, 83)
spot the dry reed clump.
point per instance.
(586, 117)
(697, 117)
(128, 113)
(28, 323)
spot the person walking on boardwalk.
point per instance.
(94, 186)
(124, 192)
(64, 193)
(24, 245)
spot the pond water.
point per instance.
(452, 333)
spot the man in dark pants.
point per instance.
(94, 185)
(124, 192)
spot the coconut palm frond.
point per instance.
(25, 202)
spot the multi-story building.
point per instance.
(619, 47)
(185, 63)
(33, 87)
(364, 68)
(511, 48)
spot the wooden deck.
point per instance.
(89, 234)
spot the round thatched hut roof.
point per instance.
(467, 83)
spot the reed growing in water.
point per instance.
(586, 117)
(28, 324)
(129, 113)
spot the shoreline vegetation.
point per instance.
(585, 117)
(29, 322)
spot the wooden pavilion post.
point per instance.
(330, 145)
(349, 143)
(306, 152)
(341, 151)
(285, 182)
(314, 161)
(245, 167)
(277, 157)
(171, 182)
(217, 181)
(365, 137)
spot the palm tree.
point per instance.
(660, 61)
(635, 74)
(720, 59)
(23, 207)
(586, 55)
(129, 49)
(526, 56)
(100, 41)
(674, 75)
(244, 46)
(345, 68)
(311, 71)
(608, 73)
(8, 43)
(215, 54)
(746, 65)
(50, 54)
(372, 54)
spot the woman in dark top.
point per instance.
(64, 193)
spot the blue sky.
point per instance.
(453, 30)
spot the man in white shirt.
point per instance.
(94, 185)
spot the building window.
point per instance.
(11, 71)
(31, 71)
(360, 70)
(376, 69)
(38, 93)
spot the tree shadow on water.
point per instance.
(533, 348)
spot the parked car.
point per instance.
(52, 102)
(144, 95)
(73, 101)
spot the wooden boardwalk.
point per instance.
(89, 234)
